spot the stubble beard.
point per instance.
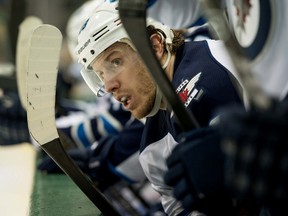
(146, 90)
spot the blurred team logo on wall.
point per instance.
(251, 21)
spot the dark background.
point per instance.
(12, 13)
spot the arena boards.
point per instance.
(17, 168)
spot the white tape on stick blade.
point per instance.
(43, 60)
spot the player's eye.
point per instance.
(116, 62)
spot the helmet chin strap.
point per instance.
(164, 66)
(159, 96)
(157, 103)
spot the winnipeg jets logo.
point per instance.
(189, 92)
(242, 11)
(244, 15)
(251, 22)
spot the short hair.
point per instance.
(177, 41)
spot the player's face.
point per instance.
(126, 77)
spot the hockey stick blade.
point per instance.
(133, 17)
(25, 32)
(215, 16)
(43, 59)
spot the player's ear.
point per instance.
(157, 45)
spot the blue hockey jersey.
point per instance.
(204, 84)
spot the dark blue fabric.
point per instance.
(259, 138)
(196, 171)
(150, 3)
(127, 142)
(212, 89)
(215, 82)
(214, 86)
(81, 133)
(156, 128)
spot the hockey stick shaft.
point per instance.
(133, 16)
(43, 59)
(55, 150)
(215, 16)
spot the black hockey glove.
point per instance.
(195, 170)
(256, 148)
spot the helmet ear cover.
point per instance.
(164, 30)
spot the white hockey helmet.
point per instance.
(100, 31)
(75, 22)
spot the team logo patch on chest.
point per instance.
(187, 90)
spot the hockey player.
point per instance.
(200, 73)
(108, 135)
(106, 140)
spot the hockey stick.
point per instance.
(43, 59)
(215, 16)
(133, 16)
(25, 32)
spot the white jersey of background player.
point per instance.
(187, 12)
(260, 27)
(186, 15)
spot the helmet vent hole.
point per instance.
(92, 52)
(84, 60)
